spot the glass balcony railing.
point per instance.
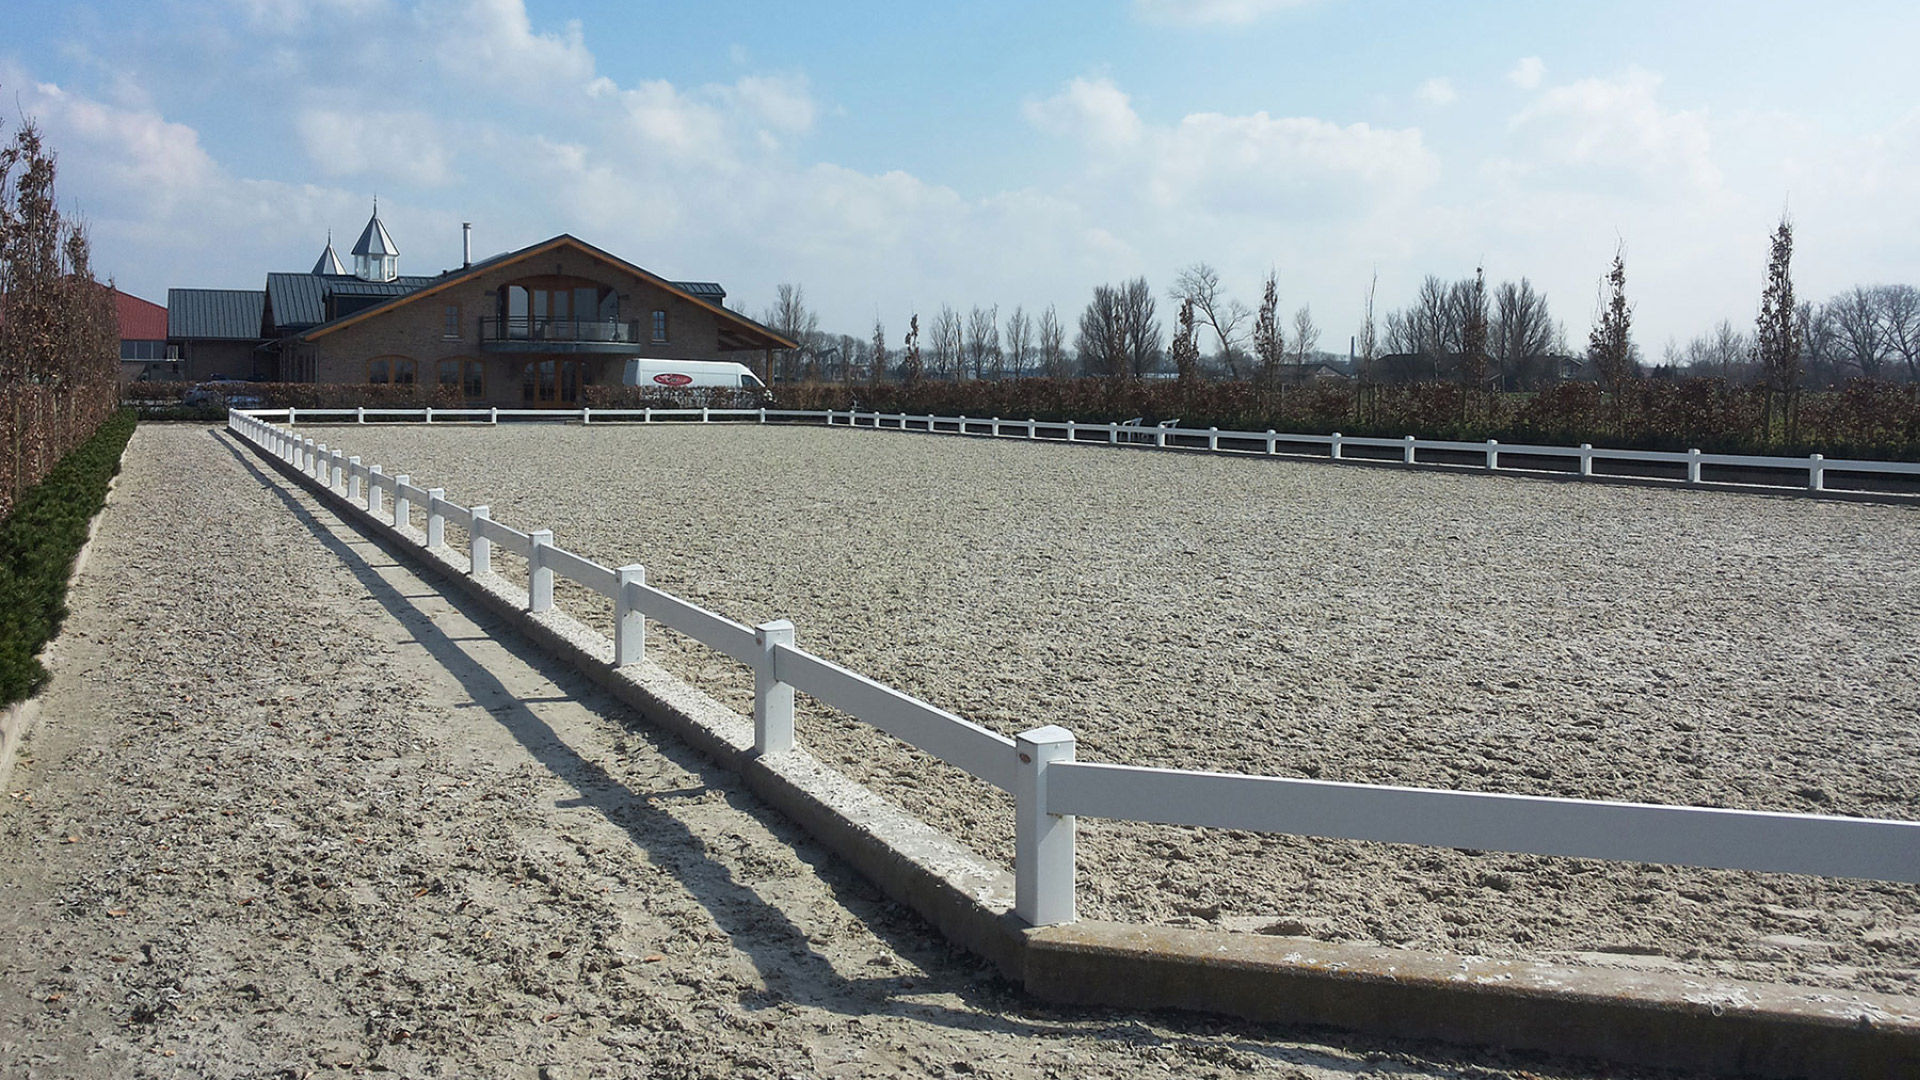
(542, 328)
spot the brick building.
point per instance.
(527, 328)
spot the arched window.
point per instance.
(398, 370)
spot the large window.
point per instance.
(397, 370)
(143, 350)
(462, 374)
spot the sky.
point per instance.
(892, 157)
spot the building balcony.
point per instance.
(540, 334)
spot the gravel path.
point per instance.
(290, 810)
(1291, 618)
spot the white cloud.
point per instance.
(1094, 110)
(492, 42)
(1607, 130)
(1283, 168)
(1437, 91)
(1527, 73)
(780, 102)
(1212, 12)
(396, 145)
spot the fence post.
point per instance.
(586, 415)
(1113, 434)
(1406, 455)
(1693, 465)
(772, 699)
(436, 518)
(1816, 473)
(1272, 443)
(763, 414)
(1213, 438)
(1043, 842)
(353, 478)
(1586, 459)
(539, 574)
(360, 415)
(996, 427)
(493, 415)
(704, 410)
(1160, 438)
(1071, 427)
(339, 470)
(290, 411)
(629, 626)
(646, 415)
(1493, 453)
(1033, 429)
(402, 506)
(429, 414)
(1333, 446)
(309, 460)
(479, 548)
(373, 491)
(320, 463)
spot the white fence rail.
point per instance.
(1687, 467)
(1050, 788)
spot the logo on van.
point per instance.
(673, 378)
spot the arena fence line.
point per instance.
(1585, 461)
(1038, 767)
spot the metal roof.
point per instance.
(299, 301)
(374, 239)
(230, 314)
(329, 262)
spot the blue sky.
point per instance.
(893, 157)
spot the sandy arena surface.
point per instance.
(290, 810)
(1300, 619)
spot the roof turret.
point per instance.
(375, 256)
(329, 262)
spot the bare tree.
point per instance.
(1900, 317)
(791, 318)
(1306, 335)
(1142, 329)
(983, 342)
(1862, 332)
(1053, 344)
(1472, 307)
(1186, 354)
(1269, 342)
(878, 371)
(949, 343)
(1102, 342)
(1367, 344)
(1200, 284)
(1610, 344)
(1019, 338)
(1521, 334)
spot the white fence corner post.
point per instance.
(1271, 442)
(772, 699)
(1816, 472)
(1043, 843)
(373, 490)
(996, 427)
(1334, 448)
(1407, 452)
(353, 478)
(763, 415)
(539, 574)
(360, 415)
(629, 625)
(436, 518)
(429, 414)
(1493, 453)
(704, 411)
(1033, 428)
(586, 415)
(402, 506)
(493, 415)
(1586, 459)
(290, 412)
(479, 547)
(1693, 465)
(1213, 438)
(1071, 436)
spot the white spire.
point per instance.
(375, 256)
(329, 262)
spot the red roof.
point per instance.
(140, 320)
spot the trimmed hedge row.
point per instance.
(38, 545)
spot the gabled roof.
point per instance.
(229, 314)
(329, 261)
(140, 320)
(737, 332)
(374, 239)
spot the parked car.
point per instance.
(219, 392)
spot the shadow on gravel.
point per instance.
(762, 931)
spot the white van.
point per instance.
(690, 374)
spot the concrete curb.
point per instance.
(1661, 1019)
(17, 720)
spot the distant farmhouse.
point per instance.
(525, 328)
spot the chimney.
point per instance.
(466, 244)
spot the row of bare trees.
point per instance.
(59, 332)
(1869, 332)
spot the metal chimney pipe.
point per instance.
(466, 244)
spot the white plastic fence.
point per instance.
(1050, 788)
(1407, 450)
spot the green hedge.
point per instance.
(38, 545)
